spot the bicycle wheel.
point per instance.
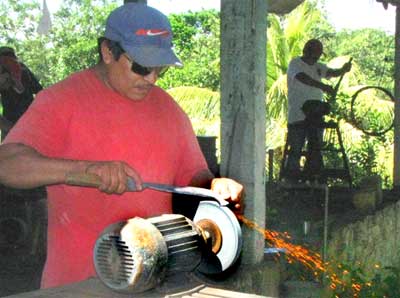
(372, 110)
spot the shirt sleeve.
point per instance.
(293, 69)
(44, 125)
(322, 69)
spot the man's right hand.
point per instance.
(328, 89)
(114, 176)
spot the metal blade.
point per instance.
(92, 180)
(186, 190)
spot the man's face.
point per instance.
(126, 82)
(313, 52)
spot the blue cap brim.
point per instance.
(152, 56)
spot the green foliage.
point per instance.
(18, 21)
(372, 50)
(71, 44)
(196, 36)
(353, 282)
(76, 27)
(202, 106)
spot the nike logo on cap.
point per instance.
(152, 32)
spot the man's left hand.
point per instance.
(230, 190)
(346, 67)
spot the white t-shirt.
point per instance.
(298, 92)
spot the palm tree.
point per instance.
(202, 106)
(286, 37)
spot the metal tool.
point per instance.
(92, 180)
(136, 255)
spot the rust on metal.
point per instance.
(212, 233)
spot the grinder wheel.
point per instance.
(230, 245)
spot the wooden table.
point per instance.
(94, 288)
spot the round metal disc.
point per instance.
(230, 229)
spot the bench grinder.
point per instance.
(136, 255)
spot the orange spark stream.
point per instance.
(293, 252)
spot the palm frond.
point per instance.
(197, 102)
(277, 98)
(202, 106)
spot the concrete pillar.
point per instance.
(243, 75)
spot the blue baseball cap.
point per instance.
(144, 33)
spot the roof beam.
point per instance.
(386, 3)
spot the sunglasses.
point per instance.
(144, 71)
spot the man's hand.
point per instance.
(230, 190)
(346, 67)
(328, 89)
(114, 176)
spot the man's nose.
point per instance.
(151, 77)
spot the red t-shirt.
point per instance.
(79, 118)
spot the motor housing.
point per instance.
(136, 255)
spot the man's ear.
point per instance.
(106, 52)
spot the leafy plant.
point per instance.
(196, 37)
(202, 106)
(353, 283)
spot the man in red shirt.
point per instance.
(112, 121)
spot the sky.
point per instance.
(343, 14)
(357, 14)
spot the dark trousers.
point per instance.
(298, 133)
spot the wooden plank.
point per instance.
(228, 294)
(94, 288)
(86, 289)
(199, 295)
(185, 293)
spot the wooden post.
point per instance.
(243, 76)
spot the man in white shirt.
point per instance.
(304, 83)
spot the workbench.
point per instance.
(180, 287)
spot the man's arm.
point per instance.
(22, 166)
(306, 79)
(340, 71)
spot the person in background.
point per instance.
(304, 83)
(113, 122)
(18, 85)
